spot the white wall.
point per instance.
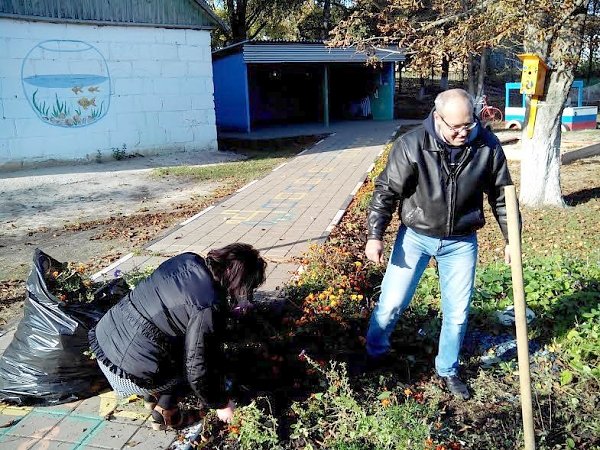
(155, 93)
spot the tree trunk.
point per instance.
(326, 19)
(400, 65)
(471, 75)
(421, 93)
(481, 74)
(236, 12)
(444, 76)
(592, 42)
(540, 156)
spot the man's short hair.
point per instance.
(443, 97)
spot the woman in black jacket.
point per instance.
(166, 334)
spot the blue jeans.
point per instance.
(456, 260)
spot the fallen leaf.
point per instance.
(10, 423)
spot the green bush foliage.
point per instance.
(338, 418)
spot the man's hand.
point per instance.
(374, 251)
(507, 254)
(226, 414)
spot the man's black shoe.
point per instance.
(457, 387)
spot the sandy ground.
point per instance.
(37, 204)
(52, 197)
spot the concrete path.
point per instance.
(296, 205)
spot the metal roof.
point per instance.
(264, 52)
(194, 14)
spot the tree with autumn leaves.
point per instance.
(277, 19)
(431, 32)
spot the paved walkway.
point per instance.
(296, 205)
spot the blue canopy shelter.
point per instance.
(262, 83)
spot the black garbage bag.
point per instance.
(45, 361)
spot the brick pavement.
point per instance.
(297, 204)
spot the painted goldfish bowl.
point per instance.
(67, 83)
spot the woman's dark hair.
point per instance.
(238, 268)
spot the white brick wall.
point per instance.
(161, 92)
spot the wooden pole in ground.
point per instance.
(516, 266)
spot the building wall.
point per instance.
(74, 92)
(231, 93)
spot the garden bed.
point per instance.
(300, 369)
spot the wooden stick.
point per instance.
(514, 239)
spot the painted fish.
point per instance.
(93, 89)
(86, 102)
(77, 89)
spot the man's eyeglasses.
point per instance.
(468, 127)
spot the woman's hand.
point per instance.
(226, 414)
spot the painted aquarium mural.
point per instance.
(67, 83)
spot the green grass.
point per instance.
(262, 157)
(239, 170)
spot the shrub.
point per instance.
(564, 294)
(339, 418)
(253, 429)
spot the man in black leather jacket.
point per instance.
(438, 173)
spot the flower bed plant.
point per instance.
(69, 283)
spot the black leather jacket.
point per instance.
(436, 198)
(169, 326)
